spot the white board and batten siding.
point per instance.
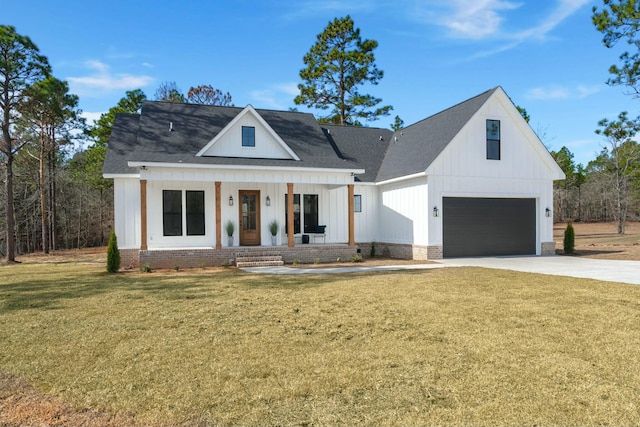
(404, 211)
(126, 202)
(367, 222)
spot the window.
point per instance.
(172, 212)
(195, 213)
(310, 212)
(357, 203)
(493, 139)
(296, 213)
(248, 136)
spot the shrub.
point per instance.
(372, 252)
(273, 227)
(316, 261)
(145, 268)
(356, 258)
(230, 228)
(226, 263)
(113, 254)
(569, 242)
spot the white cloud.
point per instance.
(556, 92)
(483, 19)
(103, 79)
(91, 117)
(276, 96)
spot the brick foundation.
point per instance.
(210, 257)
(548, 248)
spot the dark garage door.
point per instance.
(488, 226)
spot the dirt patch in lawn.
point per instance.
(601, 240)
(23, 405)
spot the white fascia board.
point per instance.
(120, 175)
(403, 178)
(136, 164)
(248, 110)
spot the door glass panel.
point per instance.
(249, 214)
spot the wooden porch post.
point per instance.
(290, 230)
(218, 218)
(352, 240)
(143, 214)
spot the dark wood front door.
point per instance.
(249, 218)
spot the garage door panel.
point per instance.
(488, 226)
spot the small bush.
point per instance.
(145, 268)
(113, 254)
(356, 258)
(296, 261)
(569, 242)
(316, 261)
(226, 263)
(176, 268)
(339, 259)
(372, 252)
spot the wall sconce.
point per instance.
(268, 201)
(230, 200)
(547, 212)
(436, 212)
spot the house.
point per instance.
(472, 180)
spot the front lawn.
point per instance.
(448, 346)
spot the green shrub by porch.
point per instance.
(113, 254)
(569, 242)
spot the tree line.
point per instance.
(54, 196)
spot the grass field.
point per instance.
(207, 347)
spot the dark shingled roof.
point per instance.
(419, 144)
(365, 146)
(121, 144)
(383, 154)
(194, 126)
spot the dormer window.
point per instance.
(493, 139)
(248, 136)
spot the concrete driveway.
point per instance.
(586, 268)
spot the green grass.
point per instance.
(448, 346)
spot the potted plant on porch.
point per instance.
(230, 228)
(273, 229)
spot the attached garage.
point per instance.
(488, 226)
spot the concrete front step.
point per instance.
(242, 264)
(258, 260)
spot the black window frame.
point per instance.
(357, 203)
(493, 143)
(311, 212)
(194, 210)
(296, 213)
(248, 136)
(171, 213)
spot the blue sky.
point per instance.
(546, 54)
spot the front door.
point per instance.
(249, 218)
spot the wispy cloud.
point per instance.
(277, 96)
(91, 117)
(102, 79)
(557, 92)
(488, 19)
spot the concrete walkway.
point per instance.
(587, 268)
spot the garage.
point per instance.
(488, 226)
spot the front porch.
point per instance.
(212, 257)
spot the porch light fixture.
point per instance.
(436, 212)
(547, 212)
(230, 200)
(268, 201)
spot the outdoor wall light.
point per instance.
(436, 212)
(230, 200)
(547, 212)
(268, 201)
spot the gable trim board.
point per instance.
(399, 177)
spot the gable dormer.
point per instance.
(248, 135)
